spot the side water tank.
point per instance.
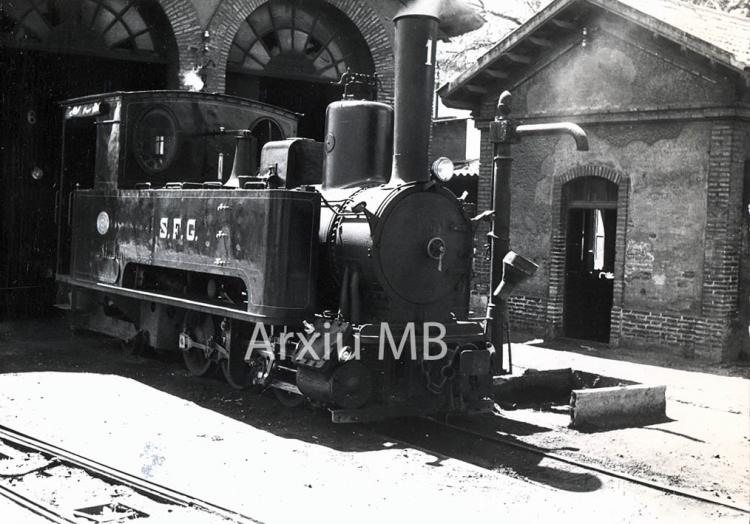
(358, 143)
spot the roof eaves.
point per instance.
(448, 90)
(506, 44)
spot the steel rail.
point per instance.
(145, 487)
(591, 467)
(35, 507)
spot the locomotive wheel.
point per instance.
(239, 377)
(197, 363)
(202, 328)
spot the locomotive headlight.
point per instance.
(442, 169)
(102, 223)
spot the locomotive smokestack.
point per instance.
(416, 35)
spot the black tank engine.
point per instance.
(336, 271)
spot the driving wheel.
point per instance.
(202, 330)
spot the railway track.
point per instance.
(476, 446)
(62, 487)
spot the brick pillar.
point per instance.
(556, 269)
(722, 245)
(187, 32)
(623, 197)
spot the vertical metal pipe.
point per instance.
(503, 130)
(415, 46)
(501, 134)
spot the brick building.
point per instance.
(644, 238)
(285, 52)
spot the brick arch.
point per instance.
(556, 283)
(230, 15)
(186, 28)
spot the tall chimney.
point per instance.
(415, 44)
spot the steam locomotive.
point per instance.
(335, 271)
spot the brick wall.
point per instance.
(706, 330)
(528, 313)
(695, 336)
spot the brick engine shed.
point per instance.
(642, 240)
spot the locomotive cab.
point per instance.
(159, 137)
(160, 230)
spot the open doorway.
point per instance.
(50, 51)
(34, 82)
(591, 215)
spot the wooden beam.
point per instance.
(562, 24)
(475, 89)
(515, 57)
(496, 73)
(539, 42)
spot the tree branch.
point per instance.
(513, 19)
(484, 10)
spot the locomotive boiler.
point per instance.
(334, 271)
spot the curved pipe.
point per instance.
(560, 128)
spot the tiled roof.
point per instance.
(728, 32)
(718, 36)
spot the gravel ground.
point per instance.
(247, 452)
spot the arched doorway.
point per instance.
(288, 53)
(53, 50)
(590, 241)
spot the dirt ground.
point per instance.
(703, 444)
(341, 461)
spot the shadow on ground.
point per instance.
(38, 346)
(494, 456)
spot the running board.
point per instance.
(168, 300)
